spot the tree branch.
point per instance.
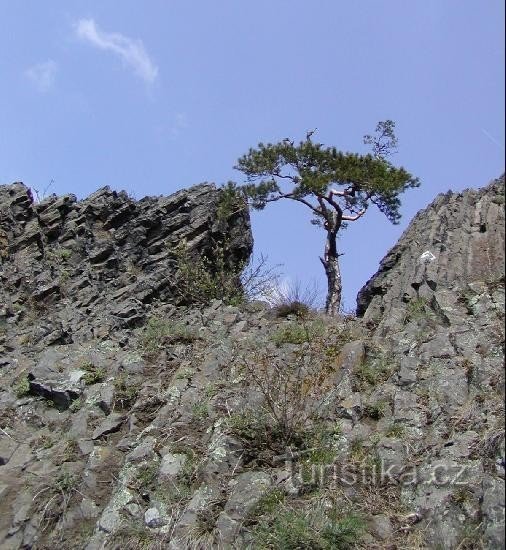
(355, 217)
(338, 193)
(298, 199)
(294, 179)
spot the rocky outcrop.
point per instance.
(437, 302)
(88, 267)
(456, 240)
(241, 426)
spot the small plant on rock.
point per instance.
(246, 424)
(269, 503)
(297, 332)
(44, 441)
(125, 392)
(159, 333)
(135, 536)
(374, 370)
(376, 410)
(395, 430)
(22, 386)
(200, 411)
(92, 374)
(293, 300)
(357, 451)
(292, 529)
(70, 451)
(147, 475)
(418, 309)
(53, 499)
(76, 405)
(201, 278)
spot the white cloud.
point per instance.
(132, 52)
(43, 75)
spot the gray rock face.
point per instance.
(88, 267)
(173, 434)
(458, 239)
(437, 302)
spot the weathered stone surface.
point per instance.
(143, 451)
(350, 357)
(493, 509)
(75, 255)
(462, 238)
(153, 518)
(109, 425)
(172, 465)
(247, 491)
(113, 435)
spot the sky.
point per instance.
(151, 97)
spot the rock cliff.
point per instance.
(456, 240)
(98, 264)
(130, 418)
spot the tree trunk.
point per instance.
(331, 265)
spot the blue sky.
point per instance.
(154, 96)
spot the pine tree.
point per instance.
(337, 187)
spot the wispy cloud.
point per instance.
(131, 51)
(42, 75)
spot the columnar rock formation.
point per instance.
(131, 420)
(456, 240)
(96, 265)
(438, 302)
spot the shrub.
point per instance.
(258, 279)
(295, 386)
(203, 278)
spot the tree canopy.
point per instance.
(309, 173)
(338, 187)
